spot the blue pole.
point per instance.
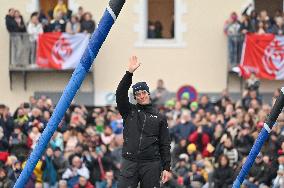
(79, 74)
(262, 137)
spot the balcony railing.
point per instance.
(22, 50)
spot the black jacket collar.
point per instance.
(149, 108)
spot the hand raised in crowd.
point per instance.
(133, 64)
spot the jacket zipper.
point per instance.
(141, 135)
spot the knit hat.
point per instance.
(194, 104)
(183, 157)
(140, 86)
(185, 96)
(170, 103)
(191, 148)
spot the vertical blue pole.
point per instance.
(262, 137)
(75, 82)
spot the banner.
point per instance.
(264, 56)
(60, 50)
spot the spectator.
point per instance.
(15, 25)
(116, 123)
(60, 162)
(261, 28)
(245, 24)
(60, 7)
(185, 128)
(6, 121)
(278, 27)
(179, 148)
(5, 182)
(76, 170)
(34, 29)
(15, 171)
(71, 139)
(80, 13)
(182, 167)
(253, 82)
(4, 146)
(109, 181)
(244, 141)
(36, 175)
(201, 140)
(42, 18)
(58, 23)
(62, 184)
(11, 23)
(232, 30)
(83, 182)
(107, 136)
(87, 24)
(257, 175)
(205, 104)
(263, 17)
(18, 143)
(160, 95)
(22, 120)
(278, 182)
(223, 174)
(34, 136)
(253, 20)
(57, 141)
(73, 26)
(158, 29)
(151, 30)
(194, 177)
(116, 153)
(49, 175)
(230, 151)
(20, 22)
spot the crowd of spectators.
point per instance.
(210, 141)
(59, 19)
(255, 22)
(24, 35)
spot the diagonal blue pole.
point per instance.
(74, 84)
(262, 137)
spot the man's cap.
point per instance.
(140, 86)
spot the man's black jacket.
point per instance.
(146, 135)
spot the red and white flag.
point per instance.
(263, 55)
(60, 50)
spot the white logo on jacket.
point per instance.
(153, 116)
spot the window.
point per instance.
(270, 6)
(160, 19)
(48, 6)
(160, 23)
(45, 5)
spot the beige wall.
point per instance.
(202, 63)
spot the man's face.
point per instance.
(142, 97)
(109, 175)
(57, 153)
(12, 12)
(83, 181)
(160, 84)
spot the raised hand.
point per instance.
(133, 64)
